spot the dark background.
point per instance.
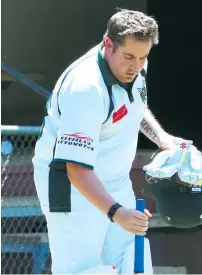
(175, 94)
(46, 36)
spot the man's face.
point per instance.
(128, 59)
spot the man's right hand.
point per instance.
(132, 220)
(86, 181)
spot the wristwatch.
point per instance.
(112, 211)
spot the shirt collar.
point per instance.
(108, 77)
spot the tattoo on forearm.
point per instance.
(148, 129)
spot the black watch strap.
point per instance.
(112, 211)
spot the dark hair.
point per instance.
(135, 23)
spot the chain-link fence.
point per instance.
(25, 247)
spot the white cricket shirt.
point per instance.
(77, 128)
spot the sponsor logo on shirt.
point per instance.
(77, 139)
(118, 115)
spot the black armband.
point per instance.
(113, 210)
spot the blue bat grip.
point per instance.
(139, 243)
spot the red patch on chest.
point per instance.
(120, 114)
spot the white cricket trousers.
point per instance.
(84, 239)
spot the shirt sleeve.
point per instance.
(82, 113)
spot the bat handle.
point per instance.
(139, 243)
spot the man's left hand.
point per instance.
(169, 142)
